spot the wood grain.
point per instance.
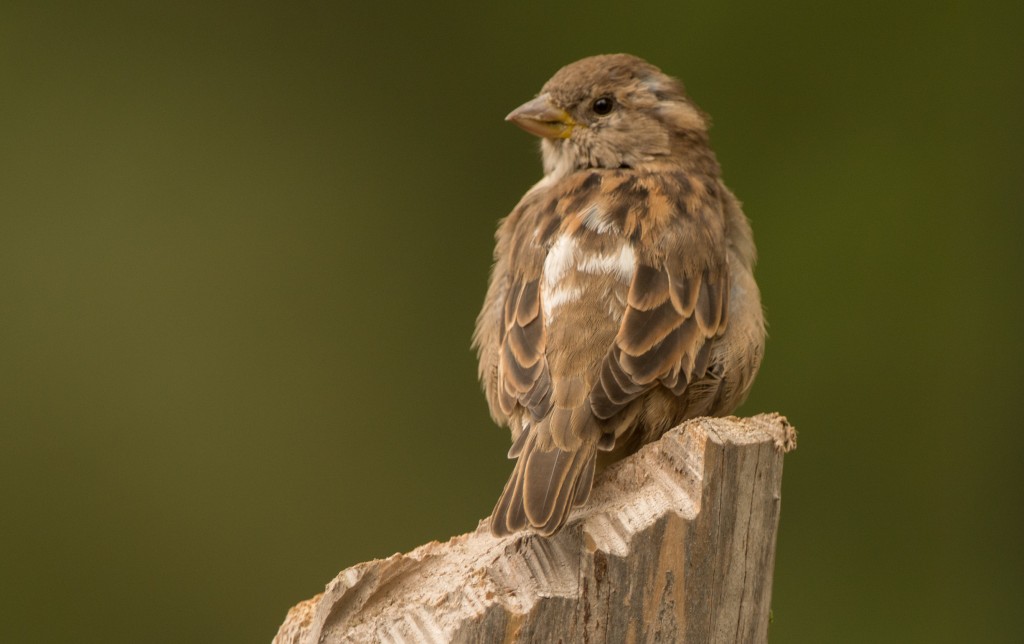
(677, 543)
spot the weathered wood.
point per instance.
(677, 543)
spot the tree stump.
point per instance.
(676, 544)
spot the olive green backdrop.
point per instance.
(242, 248)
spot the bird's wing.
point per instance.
(675, 305)
(523, 376)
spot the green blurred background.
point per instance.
(242, 248)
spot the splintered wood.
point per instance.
(676, 544)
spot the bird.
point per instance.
(622, 299)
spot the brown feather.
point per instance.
(723, 318)
(538, 400)
(506, 401)
(518, 379)
(614, 389)
(570, 496)
(650, 287)
(549, 485)
(559, 426)
(518, 443)
(709, 304)
(675, 381)
(621, 387)
(528, 306)
(570, 392)
(511, 301)
(525, 343)
(701, 361)
(585, 482)
(508, 515)
(684, 292)
(607, 442)
(647, 367)
(543, 476)
(641, 330)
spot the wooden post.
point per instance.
(676, 544)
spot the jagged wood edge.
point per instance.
(702, 577)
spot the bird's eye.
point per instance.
(602, 106)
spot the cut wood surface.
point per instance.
(676, 544)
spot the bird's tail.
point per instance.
(546, 483)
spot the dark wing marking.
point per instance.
(670, 318)
(523, 376)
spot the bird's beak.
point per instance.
(541, 117)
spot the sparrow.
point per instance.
(622, 299)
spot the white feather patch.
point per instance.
(565, 256)
(620, 264)
(561, 258)
(559, 296)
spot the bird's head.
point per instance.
(609, 111)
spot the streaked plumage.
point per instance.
(622, 299)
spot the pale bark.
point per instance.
(677, 543)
